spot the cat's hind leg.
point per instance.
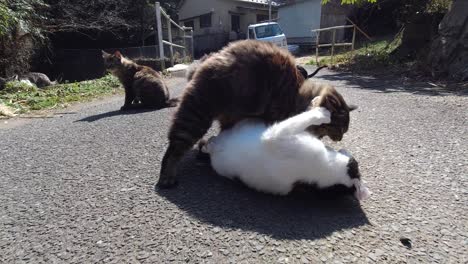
(192, 120)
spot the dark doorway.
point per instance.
(235, 23)
(262, 18)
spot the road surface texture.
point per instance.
(79, 188)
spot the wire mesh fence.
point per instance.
(174, 44)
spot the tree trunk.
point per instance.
(449, 51)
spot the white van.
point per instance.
(270, 32)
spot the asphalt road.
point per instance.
(79, 188)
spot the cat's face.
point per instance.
(112, 61)
(335, 130)
(339, 110)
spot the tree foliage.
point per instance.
(351, 2)
(103, 15)
(6, 19)
(25, 25)
(25, 16)
(407, 6)
(21, 31)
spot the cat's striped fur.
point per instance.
(246, 79)
(144, 87)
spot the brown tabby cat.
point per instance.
(193, 67)
(246, 79)
(142, 84)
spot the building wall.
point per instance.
(220, 19)
(221, 13)
(216, 36)
(193, 8)
(334, 14)
(297, 20)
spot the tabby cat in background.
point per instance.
(144, 87)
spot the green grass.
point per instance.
(373, 56)
(22, 98)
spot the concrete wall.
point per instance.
(334, 14)
(216, 36)
(298, 19)
(221, 14)
(195, 8)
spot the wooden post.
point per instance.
(184, 53)
(169, 30)
(333, 46)
(354, 37)
(269, 11)
(359, 29)
(317, 46)
(191, 43)
(160, 36)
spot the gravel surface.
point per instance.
(79, 188)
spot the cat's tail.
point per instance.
(173, 102)
(316, 71)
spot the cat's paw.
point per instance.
(208, 146)
(167, 183)
(124, 108)
(322, 114)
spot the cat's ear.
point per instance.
(352, 107)
(104, 54)
(118, 54)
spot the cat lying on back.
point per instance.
(275, 158)
(37, 78)
(144, 87)
(247, 79)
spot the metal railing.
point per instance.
(161, 41)
(333, 44)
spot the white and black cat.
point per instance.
(273, 159)
(247, 79)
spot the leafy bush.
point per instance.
(23, 97)
(21, 32)
(373, 56)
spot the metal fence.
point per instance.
(173, 44)
(161, 42)
(333, 44)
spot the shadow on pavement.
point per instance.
(225, 203)
(114, 113)
(386, 84)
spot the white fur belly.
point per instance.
(259, 174)
(247, 159)
(275, 168)
(239, 153)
